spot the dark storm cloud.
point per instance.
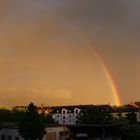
(116, 18)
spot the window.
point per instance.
(64, 117)
(71, 120)
(16, 138)
(76, 111)
(3, 137)
(9, 137)
(64, 111)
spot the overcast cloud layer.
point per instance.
(44, 55)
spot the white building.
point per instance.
(66, 114)
(69, 114)
(125, 110)
(10, 134)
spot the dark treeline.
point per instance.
(7, 115)
(14, 116)
(31, 124)
(128, 125)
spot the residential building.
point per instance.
(125, 110)
(69, 114)
(10, 132)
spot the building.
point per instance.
(58, 132)
(69, 114)
(125, 110)
(95, 132)
(10, 132)
(66, 114)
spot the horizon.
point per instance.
(43, 105)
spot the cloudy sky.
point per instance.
(48, 51)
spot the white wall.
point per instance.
(70, 117)
(58, 131)
(10, 132)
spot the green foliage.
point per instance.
(31, 125)
(129, 128)
(6, 115)
(91, 116)
(131, 117)
(18, 115)
(49, 119)
(131, 132)
(137, 103)
(121, 121)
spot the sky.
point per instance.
(53, 51)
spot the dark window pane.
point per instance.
(16, 138)
(2, 137)
(9, 137)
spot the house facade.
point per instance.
(66, 114)
(69, 114)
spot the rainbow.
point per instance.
(108, 76)
(107, 73)
(104, 67)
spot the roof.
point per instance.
(127, 108)
(58, 109)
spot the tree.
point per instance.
(92, 116)
(49, 119)
(31, 125)
(132, 117)
(131, 132)
(6, 115)
(18, 115)
(137, 103)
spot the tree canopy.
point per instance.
(49, 119)
(91, 116)
(31, 125)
